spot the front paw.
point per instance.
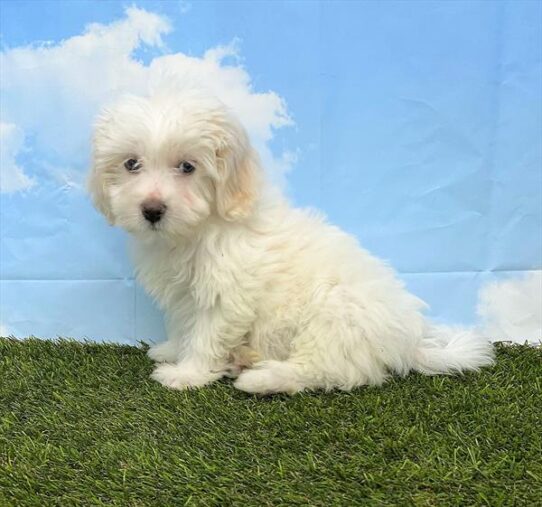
(182, 376)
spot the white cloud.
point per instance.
(12, 177)
(53, 91)
(4, 331)
(511, 310)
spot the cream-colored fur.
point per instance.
(249, 285)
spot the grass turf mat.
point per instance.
(82, 424)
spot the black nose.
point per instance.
(153, 210)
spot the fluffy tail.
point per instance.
(452, 350)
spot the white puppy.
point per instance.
(244, 279)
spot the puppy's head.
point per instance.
(166, 164)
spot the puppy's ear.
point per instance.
(97, 180)
(96, 186)
(239, 176)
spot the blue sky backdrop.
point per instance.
(416, 126)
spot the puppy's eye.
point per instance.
(132, 165)
(186, 167)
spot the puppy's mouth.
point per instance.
(154, 225)
(157, 227)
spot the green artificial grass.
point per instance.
(82, 424)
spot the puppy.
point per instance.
(249, 285)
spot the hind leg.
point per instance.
(347, 342)
(335, 369)
(333, 352)
(315, 366)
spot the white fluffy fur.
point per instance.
(249, 285)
